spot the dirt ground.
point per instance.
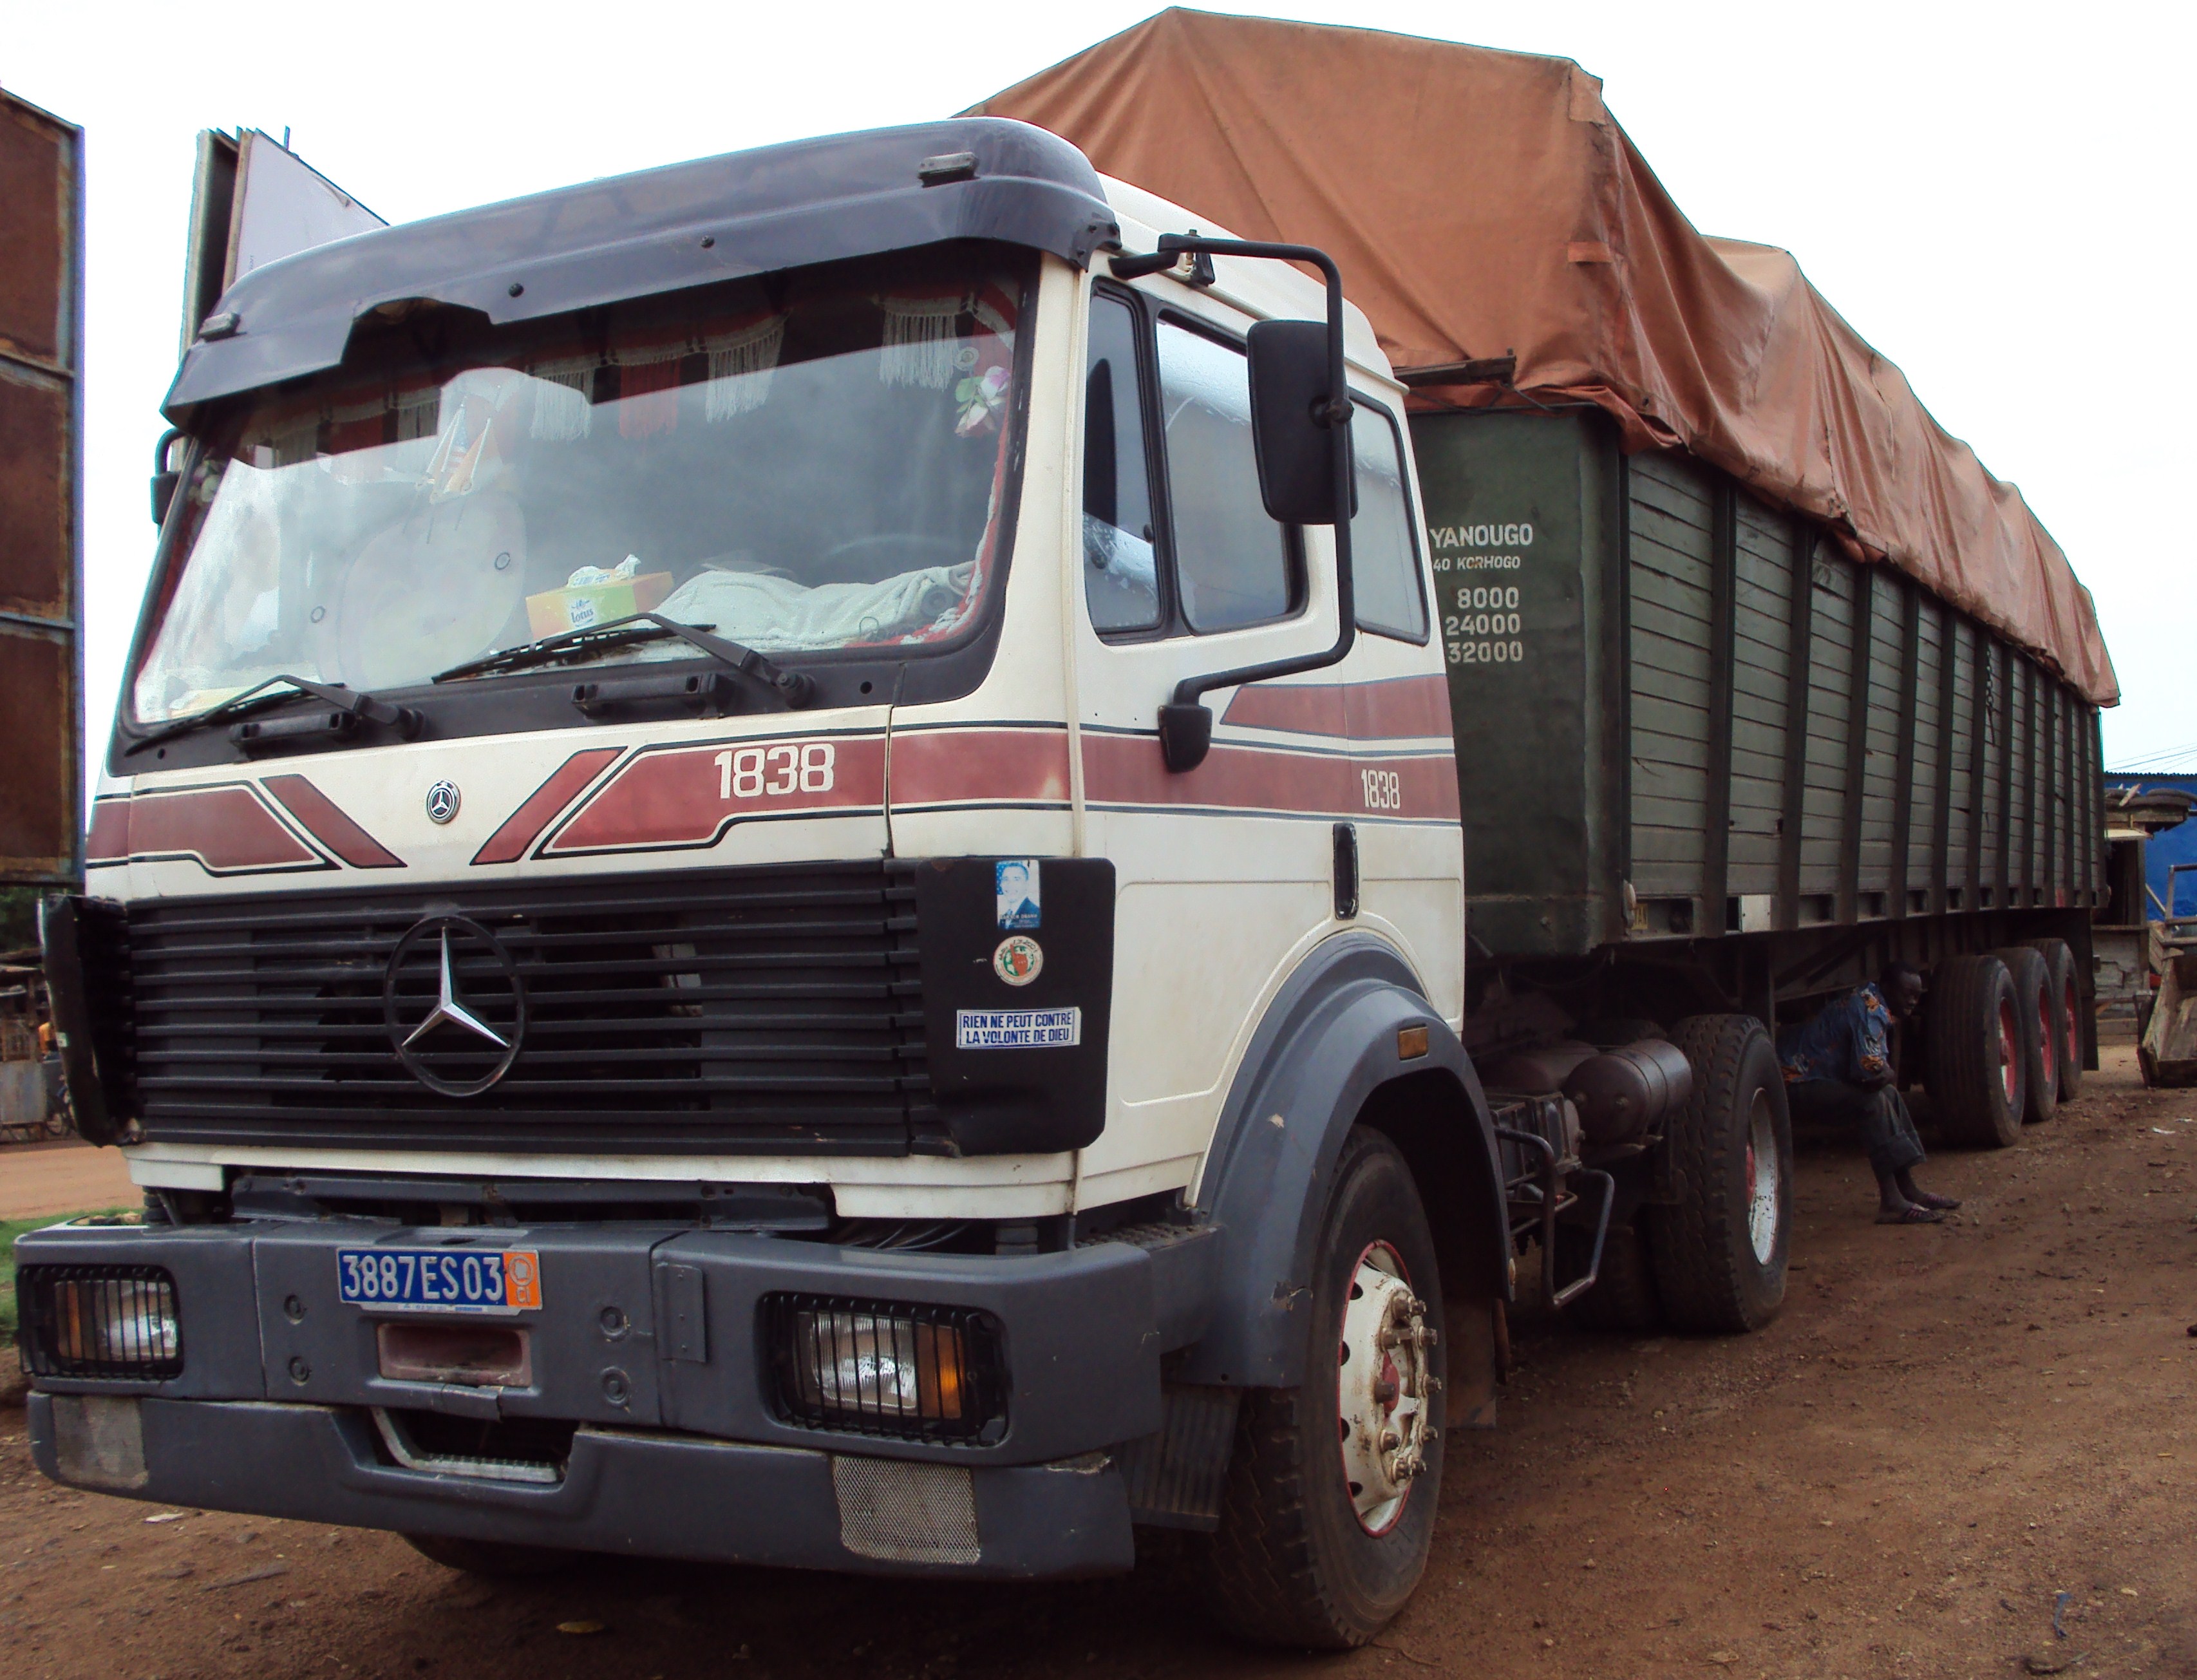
(67, 1176)
(1947, 1429)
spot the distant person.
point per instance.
(1839, 1069)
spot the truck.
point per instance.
(782, 879)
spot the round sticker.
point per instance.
(1017, 960)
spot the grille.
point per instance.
(108, 1323)
(709, 1012)
(877, 1368)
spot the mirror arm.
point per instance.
(1187, 722)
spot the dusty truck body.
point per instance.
(839, 934)
(1758, 679)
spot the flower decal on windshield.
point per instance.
(981, 397)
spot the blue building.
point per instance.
(2164, 849)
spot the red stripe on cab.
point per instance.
(328, 823)
(1400, 707)
(509, 842)
(947, 766)
(227, 829)
(687, 796)
(109, 842)
(1129, 770)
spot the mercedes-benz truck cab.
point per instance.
(760, 895)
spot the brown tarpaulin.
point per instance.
(1483, 203)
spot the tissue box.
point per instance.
(581, 606)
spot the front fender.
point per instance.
(1327, 1044)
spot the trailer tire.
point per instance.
(2033, 1007)
(1719, 1251)
(499, 1559)
(2067, 989)
(1623, 1300)
(1295, 1561)
(1972, 1065)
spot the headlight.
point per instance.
(880, 1367)
(118, 1323)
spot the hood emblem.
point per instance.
(443, 801)
(455, 1038)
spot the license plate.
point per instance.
(440, 1280)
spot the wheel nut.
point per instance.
(1391, 1441)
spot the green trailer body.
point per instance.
(1683, 714)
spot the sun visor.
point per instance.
(658, 231)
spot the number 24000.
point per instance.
(770, 772)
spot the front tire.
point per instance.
(1329, 1505)
(1720, 1252)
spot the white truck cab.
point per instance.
(645, 943)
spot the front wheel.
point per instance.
(1721, 1250)
(1329, 1505)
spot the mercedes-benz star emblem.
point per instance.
(454, 1005)
(443, 801)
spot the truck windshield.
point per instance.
(811, 463)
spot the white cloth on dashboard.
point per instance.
(770, 613)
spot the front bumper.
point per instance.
(650, 1341)
(646, 1493)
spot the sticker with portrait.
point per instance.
(1016, 892)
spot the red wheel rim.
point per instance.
(2072, 1004)
(2010, 1053)
(2047, 1037)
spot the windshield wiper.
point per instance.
(790, 689)
(354, 707)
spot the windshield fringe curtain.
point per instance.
(564, 410)
(919, 340)
(740, 368)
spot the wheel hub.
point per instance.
(1763, 1169)
(1383, 1385)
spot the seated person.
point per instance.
(1839, 1067)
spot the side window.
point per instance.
(1384, 559)
(1233, 565)
(1121, 575)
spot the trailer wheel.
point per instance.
(2068, 991)
(498, 1559)
(1720, 1253)
(1623, 1300)
(1329, 1509)
(1972, 1052)
(2036, 1007)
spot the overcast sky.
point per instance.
(1995, 196)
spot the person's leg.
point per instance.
(1894, 1148)
(1910, 1140)
(1825, 1101)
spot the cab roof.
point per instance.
(656, 231)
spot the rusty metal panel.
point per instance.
(41, 501)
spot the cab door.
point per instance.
(1228, 873)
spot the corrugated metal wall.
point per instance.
(1804, 747)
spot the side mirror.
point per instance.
(165, 479)
(1290, 433)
